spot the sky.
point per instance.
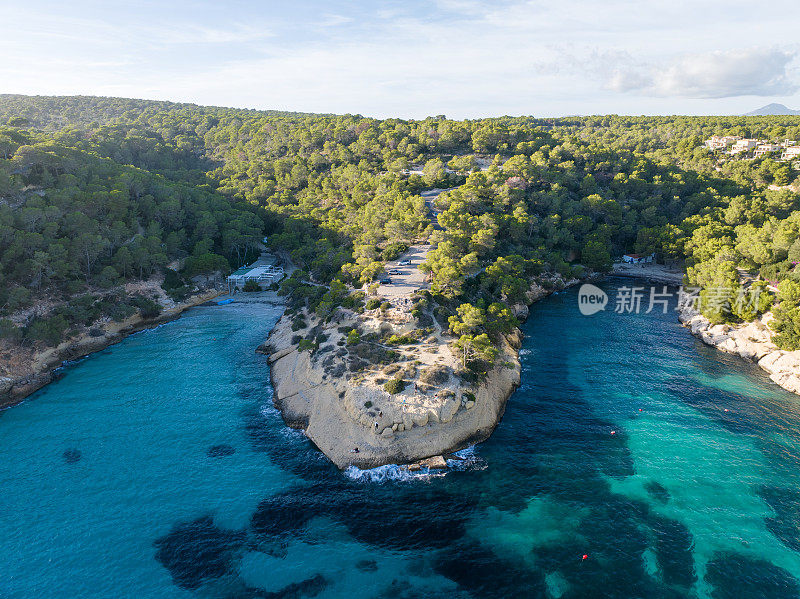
(412, 59)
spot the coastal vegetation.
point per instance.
(99, 192)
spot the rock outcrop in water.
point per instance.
(334, 389)
(752, 341)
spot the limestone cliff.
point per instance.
(330, 381)
(33, 369)
(752, 341)
(341, 410)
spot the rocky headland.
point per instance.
(752, 341)
(383, 387)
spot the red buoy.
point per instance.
(585, 556)
(613, 432)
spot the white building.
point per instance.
(716, 142)
(743, 145)
(792, 153)
(638, 259)
(263, 275)
(764, 149)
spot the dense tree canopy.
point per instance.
(96, 191)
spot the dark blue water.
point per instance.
(159, 468)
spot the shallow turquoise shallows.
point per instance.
(632, 462)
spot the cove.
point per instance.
(159, 468)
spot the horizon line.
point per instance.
(383, 118)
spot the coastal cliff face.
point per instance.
(334, 389)
(30, 370)
(752, 341)
(341, 410)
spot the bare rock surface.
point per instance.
(752, 341)
(334, 387)
(351, 418)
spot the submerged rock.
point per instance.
(657, 491)
(367, 565)
(72, 456)
(311, 587)
(219, 451)
(196, 551)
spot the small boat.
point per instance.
(225, 301)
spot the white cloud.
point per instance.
(628, 81)
(190, 33)
(722, 74)
(465, 58)
(334, 20)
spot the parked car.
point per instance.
(385, 281)
(405, 262)
(394, 272)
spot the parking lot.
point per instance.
(409, 277)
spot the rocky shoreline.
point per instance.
(45, 365)
(653, 273)
(752, 341)
(339, 401)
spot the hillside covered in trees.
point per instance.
(98, 191)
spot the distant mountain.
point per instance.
(772, 109)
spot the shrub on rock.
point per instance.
(395, 386)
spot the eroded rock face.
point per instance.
(752, 341)
(332, 386)
(343, 413)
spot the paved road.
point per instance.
(410, 277)
(430, 197)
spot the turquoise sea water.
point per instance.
(159, 468)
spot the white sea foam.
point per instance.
(390, 472)
(293, 433)
(463, 460)
(155, 328)
(467, 459)
(70, 363)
